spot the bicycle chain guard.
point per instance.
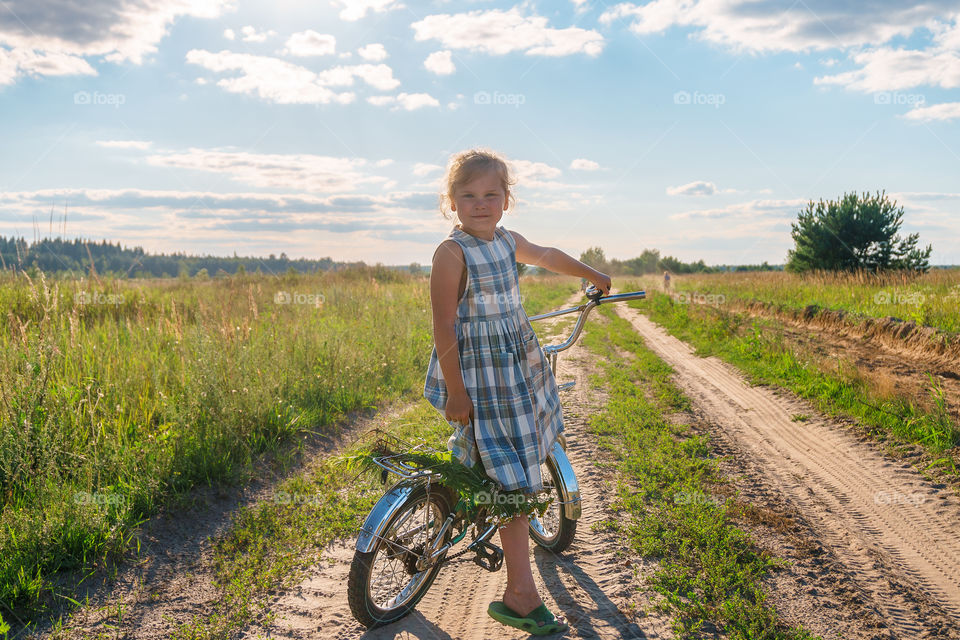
(489, 556)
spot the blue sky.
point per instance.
(696, 127)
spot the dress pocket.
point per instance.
(513, 390)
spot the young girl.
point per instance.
(487, 365)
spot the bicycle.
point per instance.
(405, 538)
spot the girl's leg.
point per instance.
(521, 593)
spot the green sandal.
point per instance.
(539, 622)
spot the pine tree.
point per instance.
(853, 233)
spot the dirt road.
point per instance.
(874, 547)
(894, 532)
(594, 584)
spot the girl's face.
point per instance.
(480, 203)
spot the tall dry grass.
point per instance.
(117, 396)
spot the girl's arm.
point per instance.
(448, 266)
(553, 259)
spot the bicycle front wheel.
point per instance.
(385, 584)
(554, 531)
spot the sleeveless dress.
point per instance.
(516, 406)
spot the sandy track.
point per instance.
(173, 580)
(594, 584)
(895, 532)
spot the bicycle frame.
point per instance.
(374, 527)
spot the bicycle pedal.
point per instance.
(489, 556)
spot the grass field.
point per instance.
(932, 299)
(117, 397)
(756, 345)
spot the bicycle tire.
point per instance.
(560, 540)
(363, 606)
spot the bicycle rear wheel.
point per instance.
(384, 584)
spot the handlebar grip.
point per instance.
(593, 293)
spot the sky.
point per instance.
(696, 127)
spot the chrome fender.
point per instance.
(569, 489)
(376, 523)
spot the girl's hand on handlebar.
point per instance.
(601, 281)
(459, 408)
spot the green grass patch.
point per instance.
(270, 545)
(930, 299)
(546, 293)
(709, 570)
(756, 346)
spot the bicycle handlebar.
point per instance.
(596, 298)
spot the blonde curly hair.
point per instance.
(464, 166)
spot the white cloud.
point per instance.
(229, 34)
(757, 26)
(374, 52)
(411, 101)
(530, 173)
(696, 188)
(310, 43)
(24, 62)
(286, 83)
(779, 210)
(53, 38)
(406, 101)
(378, 76)
(500, 32)
(301, 171)
(944, 111)
(885, 69)
(423, 168)
(528, 169)
(250, 34)
(125, 144)
(355, 9)
(925, 195)
(582, 164)
(250, 223)
(440, 63)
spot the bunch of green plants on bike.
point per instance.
(471, 484)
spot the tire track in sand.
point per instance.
(893, 529)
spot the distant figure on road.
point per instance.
(666, 281)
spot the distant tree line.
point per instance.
(765, 266)
(649, 261)
(60, 256)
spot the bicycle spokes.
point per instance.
(394, 576)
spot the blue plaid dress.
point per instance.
(516, 407)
